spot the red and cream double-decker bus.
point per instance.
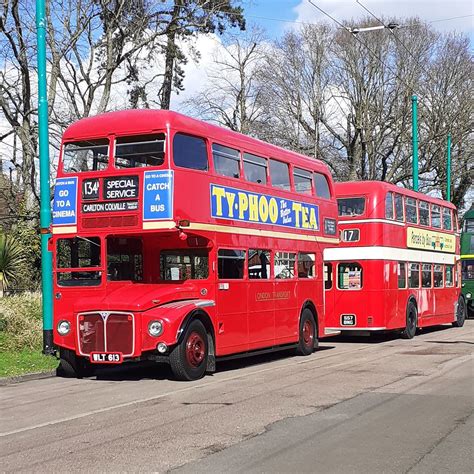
(397, 267)
(176, 240)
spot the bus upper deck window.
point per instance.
(398, 207)
(139, 151)
(424, 213)
(124, 259)
(190, 152)
(351, 206)
(280, 175)
(436, 216)
(410, 209)
(302, 179)
(87, 155)
(226, 160)
(321, 185)
(389, 206)
(447, 219)
(255, 168)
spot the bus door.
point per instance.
(261, 303)
(328, 313)
(232, 332)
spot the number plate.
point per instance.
(348, 320)
(106, 357)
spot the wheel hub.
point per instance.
(195, 349)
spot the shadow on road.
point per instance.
(154, 371)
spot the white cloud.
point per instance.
(427, 10)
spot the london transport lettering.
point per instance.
(65, 201)
(429, 240)
(245, 206)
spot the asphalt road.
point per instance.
(357, 405)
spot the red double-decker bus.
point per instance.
(397, 267)
(176, 240)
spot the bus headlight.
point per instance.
(64, 327)
(468, 296)
(155, 328)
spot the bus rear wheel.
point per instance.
(188, 359)
(308, 339)
(71, 366)
(411, 322)
(460, 313)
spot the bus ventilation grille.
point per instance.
(113, 333)
(114, 221)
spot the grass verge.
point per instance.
(21, 336)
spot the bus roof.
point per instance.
(136, 121)
(351, 188)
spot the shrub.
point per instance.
(21, 322)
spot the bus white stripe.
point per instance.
(388, 253)
(364, 221)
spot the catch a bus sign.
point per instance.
(65, 201)
(240, 205)
(429, 240)
(158, 195)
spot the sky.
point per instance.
(278, 15)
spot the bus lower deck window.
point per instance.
(426, 275)
(230, 264)
(402, 275)
(179, 265)
(124, 259)
(327, 276)
(284, 265)
(259, 264)
(414, 275)
(438, 276)
(306, 265)
(449, 277)
(349, 276)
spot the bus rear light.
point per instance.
(370, 321)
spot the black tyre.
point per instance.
(470, 312)
(308, 339)
(188, 359)
(411, 321)
(71, 366)
(460, 313)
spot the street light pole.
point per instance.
(414, 132)
(45, 198)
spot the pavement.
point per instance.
(379, 404)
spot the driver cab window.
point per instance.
(124, 259)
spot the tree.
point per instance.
(232, 96)
(187, 19)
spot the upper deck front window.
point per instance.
(351, 206)
(87, 155)
(139, 151)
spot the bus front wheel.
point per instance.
(460, 313)
(411, 321)
(71, 366)
(188, 359)
(308, 339)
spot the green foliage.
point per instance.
(11, 257)
(21, 322)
